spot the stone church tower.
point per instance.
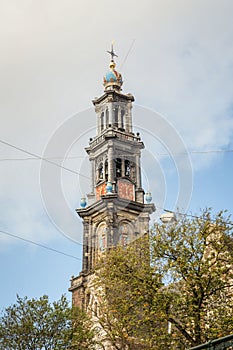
(115, 212)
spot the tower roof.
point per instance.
(113, 79)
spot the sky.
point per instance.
(176, 58)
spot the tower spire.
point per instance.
(115, 213)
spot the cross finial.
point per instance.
(112, 53)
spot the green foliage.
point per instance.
(172, 292)
(131, 304)
(195, 258)
(83, 335)
(36, 324)
(175, 291)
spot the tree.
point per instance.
(36, 324)
(174, 292)
(130, 307)
(83, 334)
(195, 258)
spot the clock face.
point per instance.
(125, 189)
(100, 190)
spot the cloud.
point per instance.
(53, 60)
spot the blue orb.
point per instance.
(83, 202)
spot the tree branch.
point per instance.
(182, 330)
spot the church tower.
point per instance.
(115, 211)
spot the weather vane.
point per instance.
(112, 53)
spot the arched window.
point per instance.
(132, 172)
(115, 122)
(100, 172)
(122, 118)
(102, 237)
(127, 168)
(118, 167)
(107, 118)
(124, 239)
(95, 309)
(124, 234)
(106, 170)
(102, 121)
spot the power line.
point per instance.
(75, 257)
(35, 156)
(213, 151)
(127, 54)
(46, 158)
(190, 215)
(39, 245)
(41, 158)
(197, 152)
(83, 157)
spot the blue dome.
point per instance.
(110, 76)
